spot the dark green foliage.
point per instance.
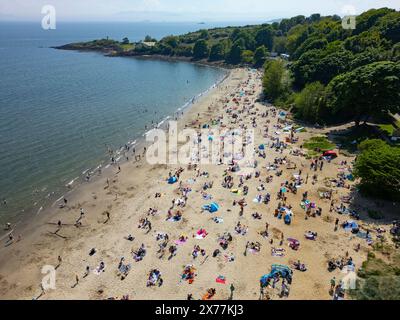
(260, 56)
(366, 91)
(310, 103)
(389, 26)
(274, 80)
(217, 52)
(200, 50)
(378, 168)
(310, 44)
(265, 37)
(235, 54)
(369, 18)
(149, 39)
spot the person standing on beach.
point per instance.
(59, 259)
(336, 224)
(87, 272)
(333, 283)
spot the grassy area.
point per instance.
(388, 129)
(379, 279)
(319, 144)
(127, 47)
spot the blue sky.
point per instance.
(182, 10)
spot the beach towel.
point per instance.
(278, 252)
(180, 242)
(254, 251)
(175, 219)
(98, 271)
(236, 191)
(221, 279)
(218, 220)
(125, 268)
(207, 196)
(201, 234)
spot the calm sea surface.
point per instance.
(61, 110)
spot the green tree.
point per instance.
(280, 45)
(311, 102)
(260, 56)
(247, 56)
(149, 39)
(204, 34)
(217, 52)
(389, 26)
(395, 52)
(296, 36)
(310, 44)
(200, 50)
(235, 54)
(172, 41)
(378, 168)
(369, 90)
(273, 81)
(368, 19)
(265, 37)
(125, 40)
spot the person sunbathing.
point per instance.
(130, 237)
(139, 254)
(257, 216)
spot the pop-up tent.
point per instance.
(279, 270)
(212, 207)
(350, 225)
(172, 180)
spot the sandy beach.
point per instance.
(112, 212)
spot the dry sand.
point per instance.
(132, 193)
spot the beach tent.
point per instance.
(172, 180)
(350, 225)
(212, 207)
(277, 270)
(330, 153)
(261, 147)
